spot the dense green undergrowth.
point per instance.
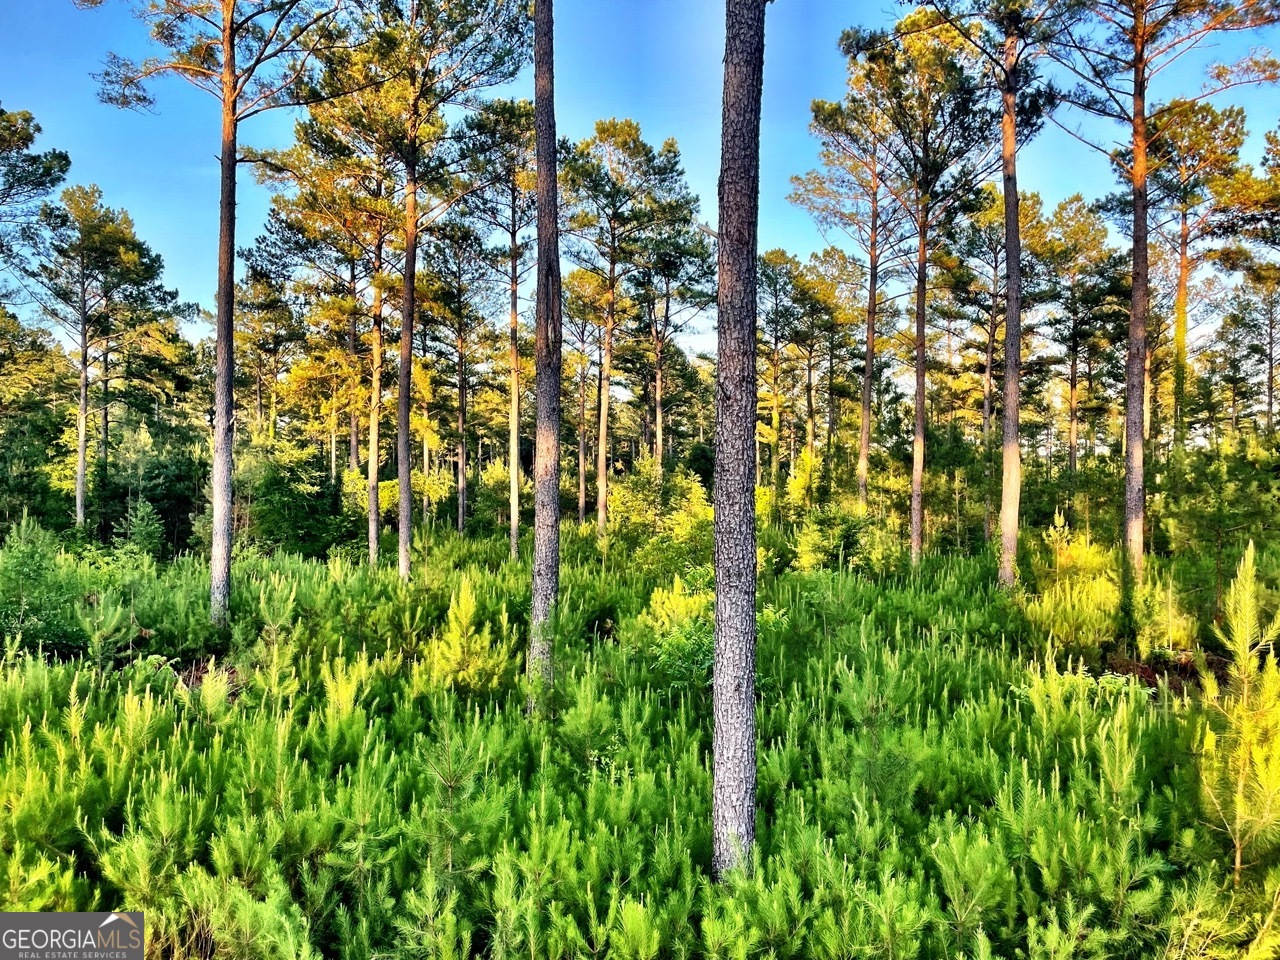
(350, 771)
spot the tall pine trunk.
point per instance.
(375, 411)
(1180, 333)
(1011, 485)
(404, 463)
(224, 343)
(1136, 362)
(582, 446)
(917, 443)
(546, 469)
(462, 437)
(602, 427)
(513, 415)
(82, 416)
(733, 807)
(873, 293)
(353, 352)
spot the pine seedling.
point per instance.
(1240, 759)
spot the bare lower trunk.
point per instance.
(582, 448)
(513, 415)
(462, 439)
(917, 443)
(1180, 335)
(602, 428)
(224, 358)
(873, 293)
(1011, 481)
(375, 415)
(353, 343)
(1073, 407)
(546, 470)
(82, 421)
(733, 806)
(658, 451)
(1135, 366)
(987, 390)
(404, 465)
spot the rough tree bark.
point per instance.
(82, 413)
(602, 427)
(462, 436)
(404, 463)
(224, 333)
(513, 425)
(353, 344)
(1135, 366)
(1011, 483)
(917, 442)
(375, 410)
(546, 469)
(734, 744)
(873, 293)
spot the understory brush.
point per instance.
(354, 774)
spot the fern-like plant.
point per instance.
(1240, 761)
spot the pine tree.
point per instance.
(1240, 765)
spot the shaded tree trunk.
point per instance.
(733, 807)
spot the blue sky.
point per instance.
(658, 61)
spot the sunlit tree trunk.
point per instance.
(582, 445)
(1136, 364)
(1011, 481)
(873, 293)
(1180, 331)
(375, 412)
(224, 333)
(546, 528)
(462, 436)
(917, 443)
(602, 427)
(353, 343)
(404, 465)
(513, 415)
(733, 808)
(82, 414)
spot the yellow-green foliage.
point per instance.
(1240, 766)
(923, 791)
(1080, 595)
(1078, 616)
(670, 609)
(464, 654)
(1162, 624)
(802, 485)
(677, 629)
